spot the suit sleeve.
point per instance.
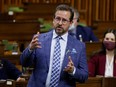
(27, 57)
(82, 69)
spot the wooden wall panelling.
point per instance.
(100, 9)
(48, 1)
(112, 10)
(1, 6)
(107, 10)
(90, 10)
(103, 10)
(77, 5)
(72, 2)
(89, 17)
(104, 4)
(102, 26)
(96, 9)
(82, 7)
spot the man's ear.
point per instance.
(78, 20)
(71, 23)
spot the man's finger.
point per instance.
(70, 60)
(38, 33)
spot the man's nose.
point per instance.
(60, 22)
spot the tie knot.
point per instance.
(58, 37)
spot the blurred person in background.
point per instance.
(9, 71)
(81, 32)
(103, 63)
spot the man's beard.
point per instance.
(59, 30)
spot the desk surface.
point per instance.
(91, 82)
(98, 82)
(12, 83)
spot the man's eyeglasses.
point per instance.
(58, 19)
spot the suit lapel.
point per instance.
(47, 48)
(67, 52)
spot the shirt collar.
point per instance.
(64, 36)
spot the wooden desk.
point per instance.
(21, 84)
(109, 82)
(91, 82)
(98, 82)
(9, 83)
(12, 83)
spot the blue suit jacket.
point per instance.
(41, 59)
(86, 32)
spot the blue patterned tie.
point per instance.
(55, 74)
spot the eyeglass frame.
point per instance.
(58, 19)
(76, 19)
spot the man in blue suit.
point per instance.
(73, 61)
(82, 33)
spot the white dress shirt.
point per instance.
(63, 44)
(109, 67)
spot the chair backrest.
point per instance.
(91, 48)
